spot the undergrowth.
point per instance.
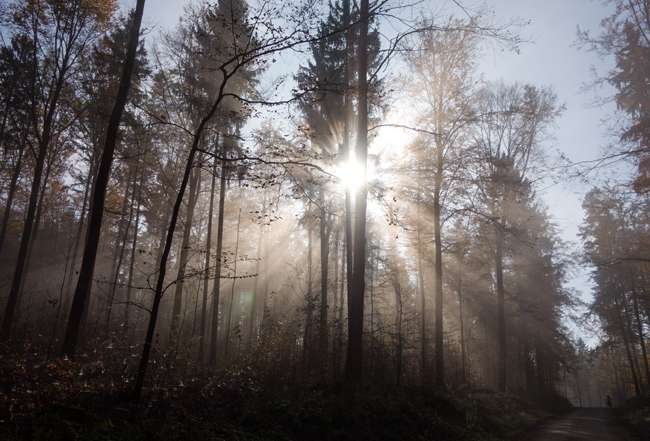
(87, 400)
(636, 411)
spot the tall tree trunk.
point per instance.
(337, 306)
(217, 277)
(423, 307)
(11, 193)
(501, 313)
(347, 150)
(354, 361)
(439, 379)
(232, 291)
(459, 288)
(250, 334)
(527, 363)
(310, 303)
(641, 337)
(99, 193)
(37, 222)
(208, 252)
(630, 327)
(195, 184)
(540, 357)
(14, 292)
(577, 375)
(129, 283)
(627, 348)
(80, 227)
(399, 338)
(120, 246)
(325, 231)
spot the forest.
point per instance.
(306, 200)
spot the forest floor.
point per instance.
(46, 405)
(231, 415)
(67, 401)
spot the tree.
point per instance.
(512, 122)
(238, 50)
(58, 36)
(625, 35)
(440, 85)
(15, 60)
(613, 222)
(99, 191)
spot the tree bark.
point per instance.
(459, 286)
(10, 194)
(14, 292)
(307, 337)
(232, 291)
(437, 209)
(627, 349)
(501, 314)
(354, 361)
(120, 246)
(99, 193)
(641, 337)
(37, 222)
(423, 310)
(208, 252)
(174, 333)
(217, 277)
(82, 220)
(129, 283)
(250, 335)
(325, 230)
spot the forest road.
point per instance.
(585, 423)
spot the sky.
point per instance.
(549, 58)
(554, 59)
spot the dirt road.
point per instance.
(586, 423)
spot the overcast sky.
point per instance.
(550, 59)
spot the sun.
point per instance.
(351, 175)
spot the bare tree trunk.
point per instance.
(641, 337)
(337, 306)
(423, 310)
(397, 287)
(232, 291)
(37, 222)
(627, 349)
(354, 361)
(195, 184)
(325, 230)
(99, 193)
(347, 153)
(250, 335)
(14, 292)
(217, 277)
(635, 356)
(437, 211)
(80, 228)
(501, 314)
(120, 246)
(208, 252)
(129, 283)
(310, 305)
(459, 287)
(11, 193)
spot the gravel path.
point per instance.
(586, 423)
